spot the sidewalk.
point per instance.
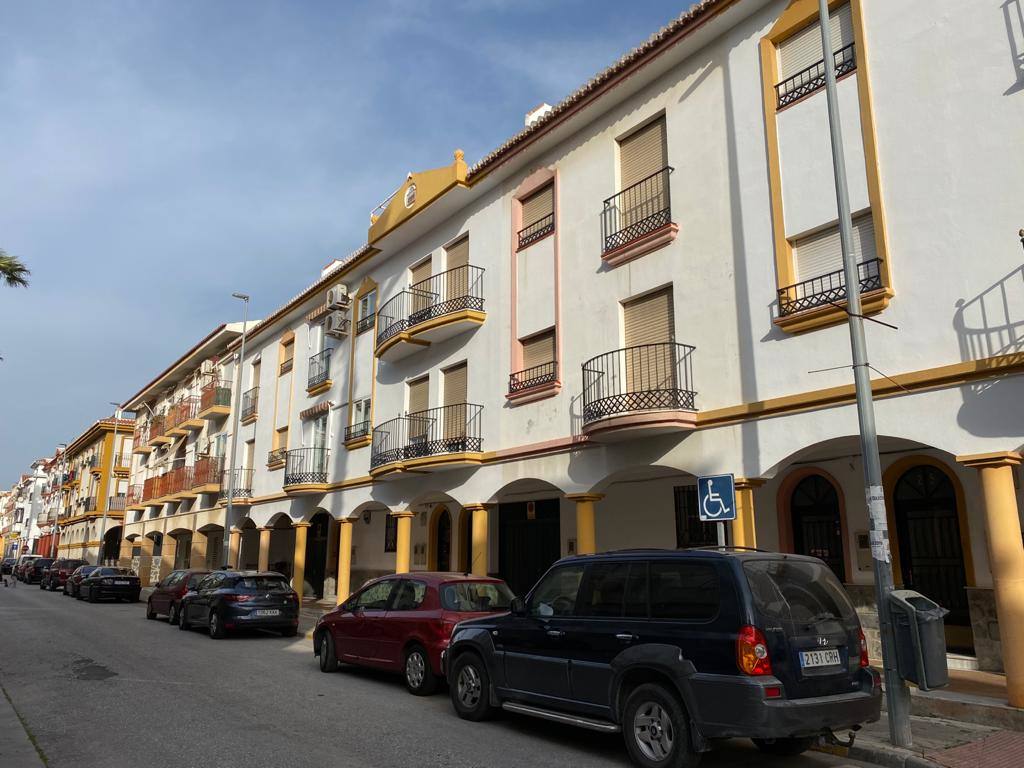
(16, 749)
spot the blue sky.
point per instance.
(156, 156)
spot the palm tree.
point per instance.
(12, 271)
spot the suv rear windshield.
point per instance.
(797, 590)
(476, 596)
(263, 584)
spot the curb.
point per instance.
(879, 753)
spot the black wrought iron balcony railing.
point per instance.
(357, 430)
(449, 429)
(319, 368)
(451, 291)
(116, 503)
(809, 80)
(637, 210)
(250, 402)
(277, 456)
(90, 504)
(304, 466)
(240, 489)
(537, 230)
(365, 323)
(641, 378)
(545, 373)
(828, 289)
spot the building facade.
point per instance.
(539, 354)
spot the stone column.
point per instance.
(403, 540)
(299, 560)
(234, 547)
(344, 558)
(586, 535)
(198, 557)
(744, 530)
(1006, 559)
(480, 546)
(264, 561)
(168, 554)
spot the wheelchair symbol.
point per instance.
(711, 499)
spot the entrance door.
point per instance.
(527, 543)
(930, 549)
(316, 552)
(444, 541)
(817, 524)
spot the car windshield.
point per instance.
(476, 596)
(85, 570)
(263, 584)
(801, 591)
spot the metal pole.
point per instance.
(112, 477)
(235, 418)
(897, 694)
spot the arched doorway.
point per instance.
(817, 522)
(316, 552)
(441, 538)
(931, 555)
(111, 546)
(466, 541)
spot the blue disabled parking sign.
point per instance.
(716, 498)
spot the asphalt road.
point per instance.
(99, 685)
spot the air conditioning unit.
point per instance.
(337, 297)
(336, 325)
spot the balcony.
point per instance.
(240, 490)
(305, 471)
(365, 323)
(140, 439)
(638, 219)
(150, 491)
(439, 438)
(179, 482)
(250, 405)
(642, 390)
(432, 310)
(206, 474)
(90, 504)
(811, 79)
(94, 463)
(803, 305)
(276, 458)
(215, 400)
(136, 495)
(537, 231)
(319, 374)
(157, 431)
(357, 435)
(116, 504)
(533, 383)
(184, 416)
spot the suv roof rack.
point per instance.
(729, 546)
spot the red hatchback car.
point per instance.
(403, 622)
(167, 593)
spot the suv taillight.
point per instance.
(864, 661)
(752, 652)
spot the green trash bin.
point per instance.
(920, 630)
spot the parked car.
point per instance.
(7, 565)
(675, 648)
(229, 600)
(72, 586)
(166, 596)
(21, 566)
(110, 582)
(32, 573)
(403, 623)
(57, 574)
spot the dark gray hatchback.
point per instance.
(673, 649)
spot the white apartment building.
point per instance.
(180, 443)
(537, 355)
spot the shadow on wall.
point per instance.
(1013, 17)
(988, 325)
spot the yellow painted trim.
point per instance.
(359, 442)
(303, 489)
(399, 338)
(430, 186)
(872, 303)
(214, 410)
(250, 419)
(275, 465)
(428, 462)
(368, 285)
(994, 459)
(409, 337)
(320, 388)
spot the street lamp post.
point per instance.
(235, 419)
(112, 477)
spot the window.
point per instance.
(281, 438)
(821, 253)
(456, 262)
(390, 533)
(287, 354)
(376, 596)
(539, 350)
(604, 589)
(409, 595)
(803, 49)
(556, 594)
(361, 411)
(249, 459)
(682, 590)
(254, 372)
(367, 311)
(796, 591)
(419, 394)
(690, 530)
(539, 206)
(651, 364)
(636, 591)
(476, 596)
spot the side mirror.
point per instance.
(517, 606)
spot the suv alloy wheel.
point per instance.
(656, 729)
(471, 690)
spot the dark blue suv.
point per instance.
(673, 649)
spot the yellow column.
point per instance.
(197, 559)
(234, 547)
(479, 546)
(168, 552)
(344, 558)
(403, 540)
(586, 535)
(1006, 559)
(264, 561)
(299, 559)
(744, 532)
